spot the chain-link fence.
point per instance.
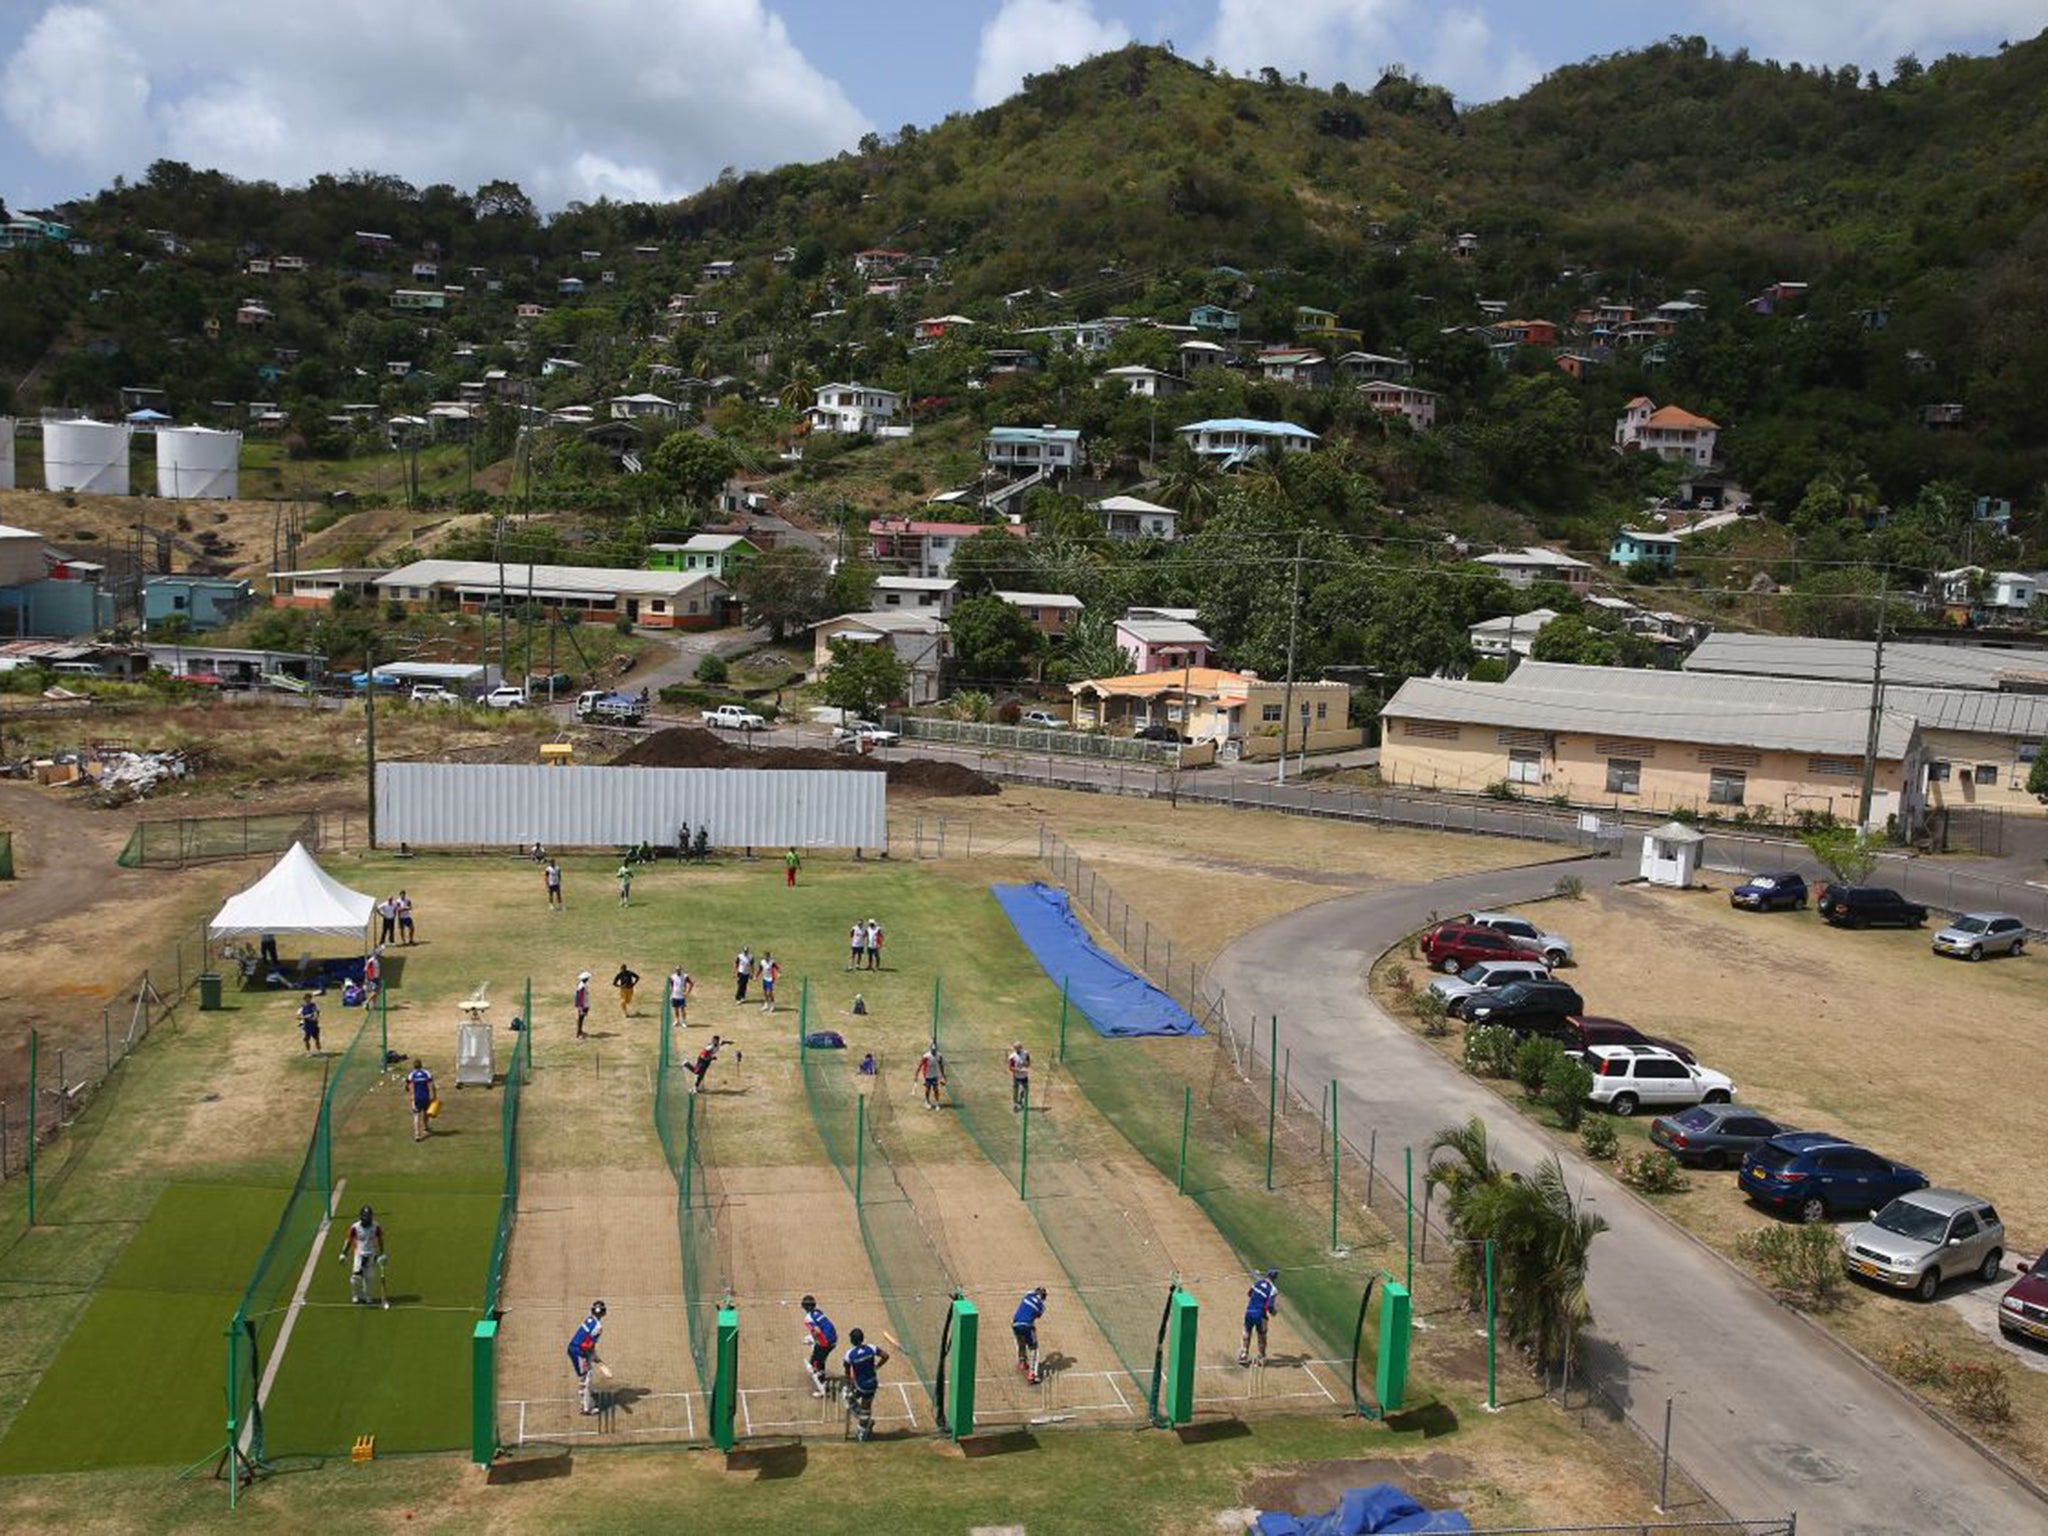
(1033, 739)
(75, 1051)
(199, 839)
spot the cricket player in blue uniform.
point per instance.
(1260, 1303)
(1024, 1324)
(863, 1362)
(583, 1352)
(823, 1339)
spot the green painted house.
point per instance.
(715, 554)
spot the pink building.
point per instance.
(1163, 639)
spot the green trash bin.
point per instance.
(209, 991)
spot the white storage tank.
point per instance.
(89, 456)
(197, 463)
(6, 453)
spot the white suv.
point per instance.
(1626, 1077)
(1555, 948)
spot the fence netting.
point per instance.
(267, 1300)
(194, 840)
(682, 1121)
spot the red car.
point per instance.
(1450, 947)
(2023, 1310)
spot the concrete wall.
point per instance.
(1266, 748)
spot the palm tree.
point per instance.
(799, 390)
(1191, 485)
(1465, 1179)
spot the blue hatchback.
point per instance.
(1814, 1175)
(1782, 890)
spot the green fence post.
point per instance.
(1187, 1113)
(1408, 1158)
(724, 1393)
(1492, 1396)
(803, 1016)
(860, 1145)
(483, 1392)
(689, 1145)
(1335, 1157)
(937, 981)
(383, 1024)
(1024, 1147)
(1272, 1096)
(960, 1387)
(526, 1018)
(33, 1039)
(1063, 1018)
(323, 1140)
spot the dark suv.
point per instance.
(1864, 906)
(1813, 1175)
(1526, 1007)
(1583, 1032)
(1451, 947)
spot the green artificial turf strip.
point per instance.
(200, 1237)
(403, 1374)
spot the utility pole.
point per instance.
(370, 728)
(1293, 621)
(504, 643)
(1876, 714)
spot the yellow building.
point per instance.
(1211, 704)
(1656, 741)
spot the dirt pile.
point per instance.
(687, 746)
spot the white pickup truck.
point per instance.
(434, 693)
(732, 717)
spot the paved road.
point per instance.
(1770, 1417)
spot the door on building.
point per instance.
(632, 610)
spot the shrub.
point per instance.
(1981, 1392)
(1566, 1082)
(1501, 789)
(1570, 887)
(1401, 983)
(1599, 1139)
(711, 668)
(1430, 1013)
(1804, 1262)
(1533, 1059)
(1654, 1173)
(1489, 1050)
(1916, 1361)
(623, 625)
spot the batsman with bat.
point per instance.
(583, 1353)
(364, 1243)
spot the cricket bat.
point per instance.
(604, 1369)
(892, 1338)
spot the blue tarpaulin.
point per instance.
(1381, 1510)
(1112, 997)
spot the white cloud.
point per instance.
(1873, 31)
(618, 98)
(1028, 37)
(75, 90)
(1355, 40)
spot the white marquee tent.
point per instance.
(296, 896)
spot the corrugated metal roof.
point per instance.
(1657, 706)
(1905, 663)
(548, 580)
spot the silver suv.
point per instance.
(1924, 1238)
(1555, 948)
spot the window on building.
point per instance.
(659, 606)
(1525, 766)
(1726, 786)
(1987, 773)
(1624, 776)
(1270, 713)
(1322, 711)
(1937, 773)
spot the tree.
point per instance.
(1846, 853)
(992, 558)
(852, 587)
(1835, 604)
(863, 676)
(784, 588)
(1568, 638)
(990, 639)
(693, 467)
(1192, 484)
(2037, 776)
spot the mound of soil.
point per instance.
(688, 746)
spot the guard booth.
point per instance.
(1671, 855)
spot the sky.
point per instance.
(651, 99)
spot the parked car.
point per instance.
(734, 717)
(1040, 720)
(1713, 1135)
(1588, 1030)
(1526, 1007)
(1450, 947)
(550, 685)
(610, 708)
(505, 696)
(1452, 991)
(1977, 934)
(1919, 1240)
(1626, 1077)
(863, 733)
(1156, 733)
(2023, 1309)
(1862, 906)
(1776, 890)
(1812, 1175)
(434, 693)
(1553, 947)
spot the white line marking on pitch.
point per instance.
(1121, 1402)
(909, 1408)
(743, 1411)
(291, 1315)
(522, 1425)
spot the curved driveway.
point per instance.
(1771, 1417)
